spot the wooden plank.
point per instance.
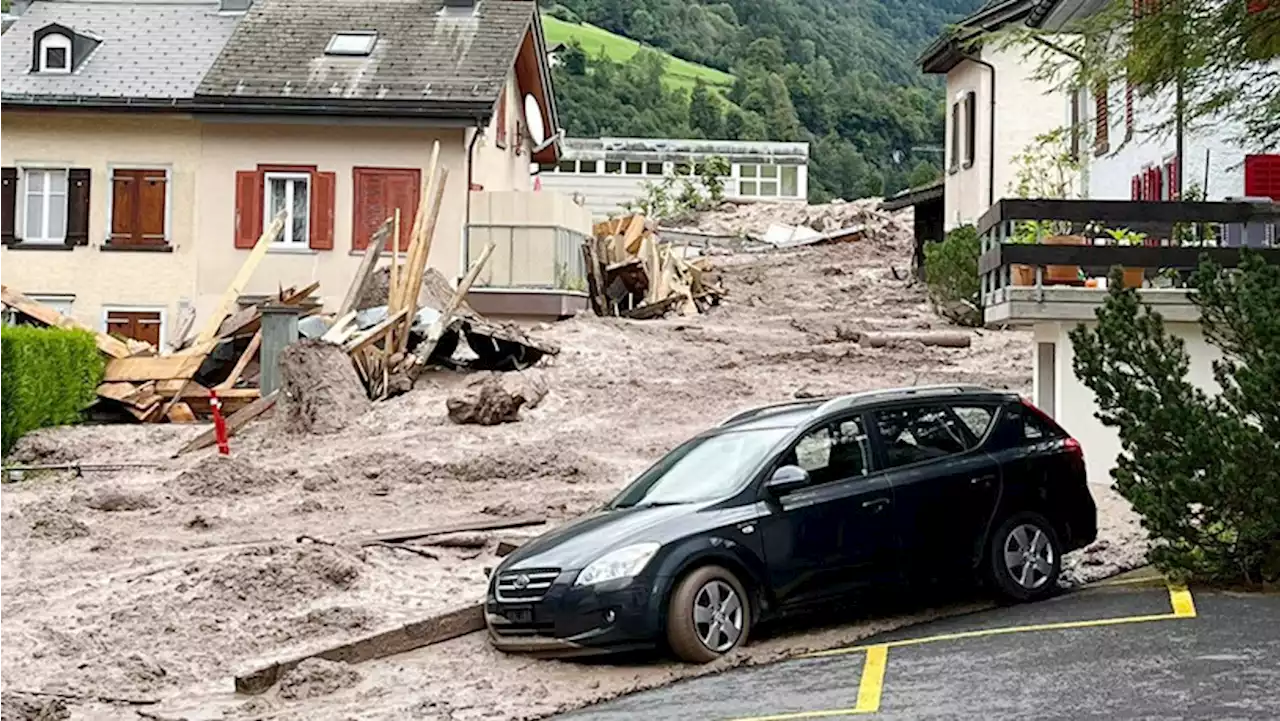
(234, 423)
(245, 358)
(118, 391)
(485, 524)
(413, 280)
(247, 320)
(415, 233)
(344, 327)
(635, 229)
(394, 280)
(362, 340)
(152, 368)
(110, 346)
(407, 637)
(180, 413)
(367, 264)
(428, 345)
(238, 284)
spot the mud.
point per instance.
(173, 601)
(23, 707)
(118, 499)
(320, 391)
(316, 677)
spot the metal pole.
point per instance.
(279, 331)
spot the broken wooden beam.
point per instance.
(410, 534)
(113, 347)
(367, 263)
(942, 339)
(406, 637)
(361, 340)
(234, 422)
(238, 284)
(152, 368)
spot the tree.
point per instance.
(574, 59)
(923, 173)
(1203, 471)
(704, 112)
(1206, 61)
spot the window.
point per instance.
(748, 185)
(379, 192)
(790, 181)
(976, 418)
(703, 469)
(612, 167)
(923, 433)
(290, 192)
(833, 452)
(44, 205)
(139, 207)
(60, 302)
(634, 168)
(955, 137)
(769, 181)
(970, 127)
(546, 167)
(55, 53)
(354, 43)
(567, 166)
(653, 168)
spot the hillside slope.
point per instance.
(595, 41)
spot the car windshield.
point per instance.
(703, 469)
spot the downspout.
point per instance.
(466, 217)
(991, 141)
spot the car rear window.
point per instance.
(976, 418)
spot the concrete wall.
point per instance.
(98, 277)
(1025, 108)
(1076, 404)
(232, 147)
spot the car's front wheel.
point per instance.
(1024, 557)
(708, 615)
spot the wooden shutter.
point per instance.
(248, 208)
(406, 190)
(378, 193)
(970, 127)
(1135, 188)
(8, 204)
(152, 192)
(323, 187)
(1262, 176)
(124, 207)
(1102, 120)
(78, 206)
(1128, 110)
(501, 132)
(1172, 189)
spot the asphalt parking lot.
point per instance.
(1124, 651)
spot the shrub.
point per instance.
(1203, 471)
(49, 376)
(951, 274)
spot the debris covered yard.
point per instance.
(163, 581)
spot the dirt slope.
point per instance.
(200, 574)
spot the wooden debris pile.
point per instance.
(632, 273)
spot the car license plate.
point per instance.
(518, 614)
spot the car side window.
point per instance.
(976, 418)
(921, 433)
(833, 452)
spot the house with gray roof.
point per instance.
(148, 143)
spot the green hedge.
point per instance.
(49, 376)
(951, 274)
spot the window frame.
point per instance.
(871, 460)
(111, 199)
(882, 447)
(369, 36)
(954, 145)
(286, 239)
(20, 212)
(55, 41)
(970, 111)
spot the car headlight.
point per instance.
(622, 563)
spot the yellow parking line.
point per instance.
(1179, 597)
(872, 679)
(869, 690)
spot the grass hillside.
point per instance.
(680, 73)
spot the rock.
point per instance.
(116, 499)
(485, 401)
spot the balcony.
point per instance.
(1049, 260)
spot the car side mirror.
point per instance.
(787, 479)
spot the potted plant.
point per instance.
(1123, 236)
(1047, 170)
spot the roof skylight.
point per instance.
(352, 43)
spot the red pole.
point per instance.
(219, 425)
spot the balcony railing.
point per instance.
(1031, 244)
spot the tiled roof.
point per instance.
(149, 51)
(425, 52)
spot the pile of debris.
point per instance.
(761, 226)
(632, 273)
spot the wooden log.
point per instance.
(110, 346)
(152, 368)
(234, 422)
(407, 637)
(941, 339)
(367, 264)
(484, 524)
(238, 283)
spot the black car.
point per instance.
(798, 504)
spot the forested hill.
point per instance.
(837, 73)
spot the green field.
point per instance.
(680, 73)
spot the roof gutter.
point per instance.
(469, 111)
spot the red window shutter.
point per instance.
(1262, 176)
(405, 191)
(378, 193)
(1135, 188)
(370, 210)
(1102, 120)
(1128, 110)
(501, 131)
(324, 186)
(8, 204)
(248, 208)
(1153, 182)
(1171, 175)
(1257, 6)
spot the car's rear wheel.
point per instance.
(708, 615)
(1024, 557)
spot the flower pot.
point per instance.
(1022, 274)
(1133, 277)
(1063, 273)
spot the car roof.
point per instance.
(797, 412)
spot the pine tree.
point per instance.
(704, 112)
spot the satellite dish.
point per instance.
(533, 118)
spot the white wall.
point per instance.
(1025, 108)
(1076, 404)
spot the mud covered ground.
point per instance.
(162, 582)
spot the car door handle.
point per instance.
(876, 503)
(981, 480)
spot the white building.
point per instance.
(606, 173)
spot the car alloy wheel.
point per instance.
(718, 616)
(1028, 556)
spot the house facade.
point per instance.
(148, 146)
(996, 107)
